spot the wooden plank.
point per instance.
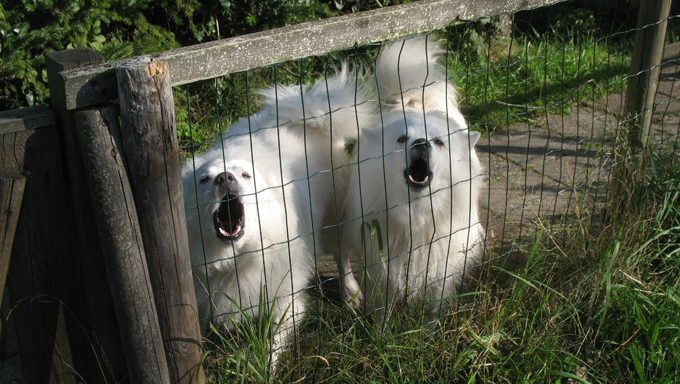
(97, 83)
(97, 312)
(42, 277)
(120, 236)
(16, 127)
(152, 155)
(12, 147)
(22, 119)
(11, 196)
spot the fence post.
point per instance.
(152, 155)
(12, 185)
(645, 68)
(639, 108)
(121, 240)
(42, 277)
(98, 319)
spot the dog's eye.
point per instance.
(245, 175)
(402, 139)
(204, 179)
(438, 142)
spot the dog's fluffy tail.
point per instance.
(410, 76)
(336, 106)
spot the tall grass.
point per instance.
(517, 78)
(592, 304)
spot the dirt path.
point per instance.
(557, 168)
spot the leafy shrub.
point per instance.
(29, 28)
(125, 28)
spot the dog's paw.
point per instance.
(352, 293)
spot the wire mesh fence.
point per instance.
(363, 177)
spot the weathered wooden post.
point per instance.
(119, 233)
(13, 137)
(98, 318)
(152, 155)
(645, 68)
(637, 113)
(42, 276)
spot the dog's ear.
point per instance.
(473, 137)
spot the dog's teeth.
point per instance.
(427, 178)
(223, 232)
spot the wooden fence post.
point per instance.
(637, 113)
(98, 318)
(121, 239)
(44, 290)
(152, 154)
(645, 68)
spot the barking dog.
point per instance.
(264, 197)
(239, 247)
(412, 202)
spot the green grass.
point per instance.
(591, 304)
(501, 82)
(518, 79)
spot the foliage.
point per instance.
(125, 28)
(29, 28)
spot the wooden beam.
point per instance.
(16, 128)
(645, 67)
(42, 278)
(97, 83)
(120, 236)
(98, 317)
(11, 196)
(152, 155)
(30, 118)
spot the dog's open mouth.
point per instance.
(418, 174)
(229, 218)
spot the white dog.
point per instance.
(411, 208)
(262, 201)
(241, 248)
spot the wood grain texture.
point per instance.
(98, 315)
(121, 239)
(43, 276)
(96, 84)
(11, 196)
(17, 120)
(645, 67)
(152, 155)
(16, 128)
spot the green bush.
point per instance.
(29, 28)
(124, 28)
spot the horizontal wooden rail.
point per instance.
(16, 128)
(18, 120)
(96, 84)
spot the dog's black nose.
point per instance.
(225, 178)
(420, 144)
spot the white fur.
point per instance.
(413, 243)
(286, 149)
(231, 277)
(410, 77)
